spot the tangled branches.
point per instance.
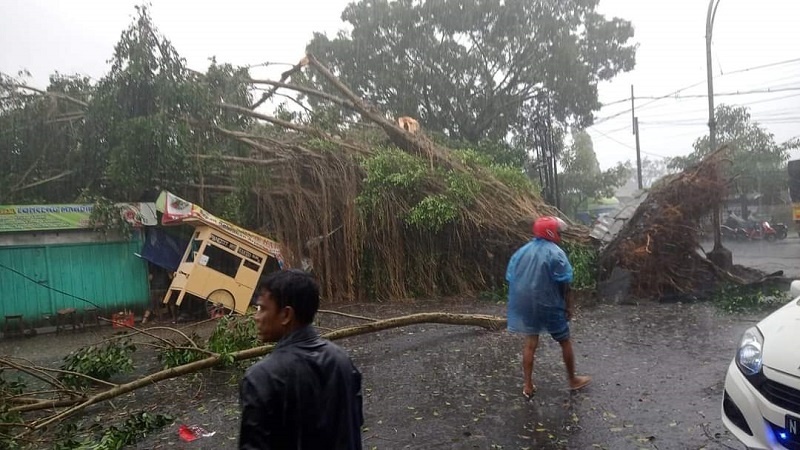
(30, 408)
(660, 244)
(384, 213)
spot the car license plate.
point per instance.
(793, 427)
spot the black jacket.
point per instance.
(305, 395)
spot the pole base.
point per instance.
(721, 257)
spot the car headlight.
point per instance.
(749, 355)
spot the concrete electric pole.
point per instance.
(720, 256)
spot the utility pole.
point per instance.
(638, 153)
(635, 124)
(551, 141)
(720, 256)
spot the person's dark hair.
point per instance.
(293, 288)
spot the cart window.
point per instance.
(222, 261)
(196, 244)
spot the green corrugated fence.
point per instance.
(108, 274)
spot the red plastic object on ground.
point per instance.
(122, 320)
(189, 433)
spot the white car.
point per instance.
(761, 403)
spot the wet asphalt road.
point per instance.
(658, 371)
(658, 374)
(766, 256)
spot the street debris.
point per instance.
(659, 245)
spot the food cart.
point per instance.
(222, 263)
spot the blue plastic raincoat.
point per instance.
(535, 303)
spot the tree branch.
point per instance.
(480, 320)
(238, 159)
(41, 182)
(352, 316)
(51, 94)
(27, 172)
(316, 93)
(284, 76)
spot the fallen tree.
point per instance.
(382, 212)
(660, 243)
(63, 403)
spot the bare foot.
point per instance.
(528, 391)
(579, 382)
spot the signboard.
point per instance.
(176, 210)
(67, 217)
(250, 255)
(223, 242)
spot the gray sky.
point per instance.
(72, 36)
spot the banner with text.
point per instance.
(67, 217)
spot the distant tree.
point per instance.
(582, 179)
(467, 68)
(143, 125)
(757, 161)
(40, 138)
(653, 169)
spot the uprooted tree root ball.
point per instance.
(660, 244)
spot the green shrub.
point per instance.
(583, 258)
(735, 299)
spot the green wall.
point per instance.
(106, 273)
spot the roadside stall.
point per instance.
(222, 264)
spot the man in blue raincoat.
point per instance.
(539, 298)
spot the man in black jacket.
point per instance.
(306, 394)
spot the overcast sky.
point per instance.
(77, 36)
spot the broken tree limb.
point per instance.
(35, 372)
(288, 125)
(273, 120)
(41, 182)
(55, 383)
(351, 316)
(27, 172)
(51, 94)
(239, 159)
(412, 143)
(306, 90)
(484, 321)
(284, 77)
(147, 332)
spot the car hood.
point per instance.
(781, 331)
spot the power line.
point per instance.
(697, 122)
(627, 145)
(655, 99)
(731, 94)
(755, 117)
(764, 66)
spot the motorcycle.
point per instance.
(762, 230)
(781, 231)
(733, 230)
(732, 233)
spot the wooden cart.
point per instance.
(222, 263)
